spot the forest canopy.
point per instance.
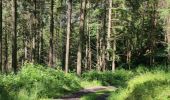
(85, 49)
(99, 35)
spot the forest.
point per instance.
(85, 49)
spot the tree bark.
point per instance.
(51, 53)
(109, 30)
(69, 14)
(98, 49)
(6, 53)
(34, 33)
(104, 39)
(1, 69)
(14, 36)
(81, 34)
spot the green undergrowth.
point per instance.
(35, 81)
(149, 85)
(117, 78)
(97, 95)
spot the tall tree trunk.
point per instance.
(51, 53)
(114, 55)
(1, 69)
(104, 39)
(89, 51)
(34, 33)
(6, 53)
(128, 53)
(81, 34)
(25, 46)
(109, 29)
(114, 47)
(89, 38)
(69, 14)
(14, 36)
(98, 49)
(153, 32)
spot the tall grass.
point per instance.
(151, 85)
(117, 78)
(36, 81)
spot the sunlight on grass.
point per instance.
(146, 86)
(86, 84)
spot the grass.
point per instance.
(86, 84)
(34, 82)
(118, 78)
(153, 85)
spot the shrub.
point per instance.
(146, 86)
(118, 78)
(36, 81)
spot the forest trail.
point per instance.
(86, 91)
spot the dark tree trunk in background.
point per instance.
(1, 69)
(69, 14)
(104, 38)
(25, 46)
(6, 53)
(34, 32)
(14, 35)
(51, 52)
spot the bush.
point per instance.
(146, 86)
(36, 81)
(118, 78)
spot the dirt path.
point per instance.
(79, 94)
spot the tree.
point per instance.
(6, 53)
(1, 35)
(81, 34)
(109, 29)
(14, 35)
(69, 13)
(104, 33)
(51, 53)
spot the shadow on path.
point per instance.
(79, 94)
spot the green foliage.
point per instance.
(36, 81)
(95, 96)
(117, 78)
(86, 83)
(146, 86)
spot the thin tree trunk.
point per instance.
(14, 36)
(81, 34)
(104, 39)
(89, 52)
(114, 53)
(41, 47)
(51, 53)
(25, 47)
(34, 32)
(98, 50)
(69, 14)
(114, 48)
(6, 53)
(109, 29)
(128, 53)
(1, 69)
(89, 62)
(86, 55)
